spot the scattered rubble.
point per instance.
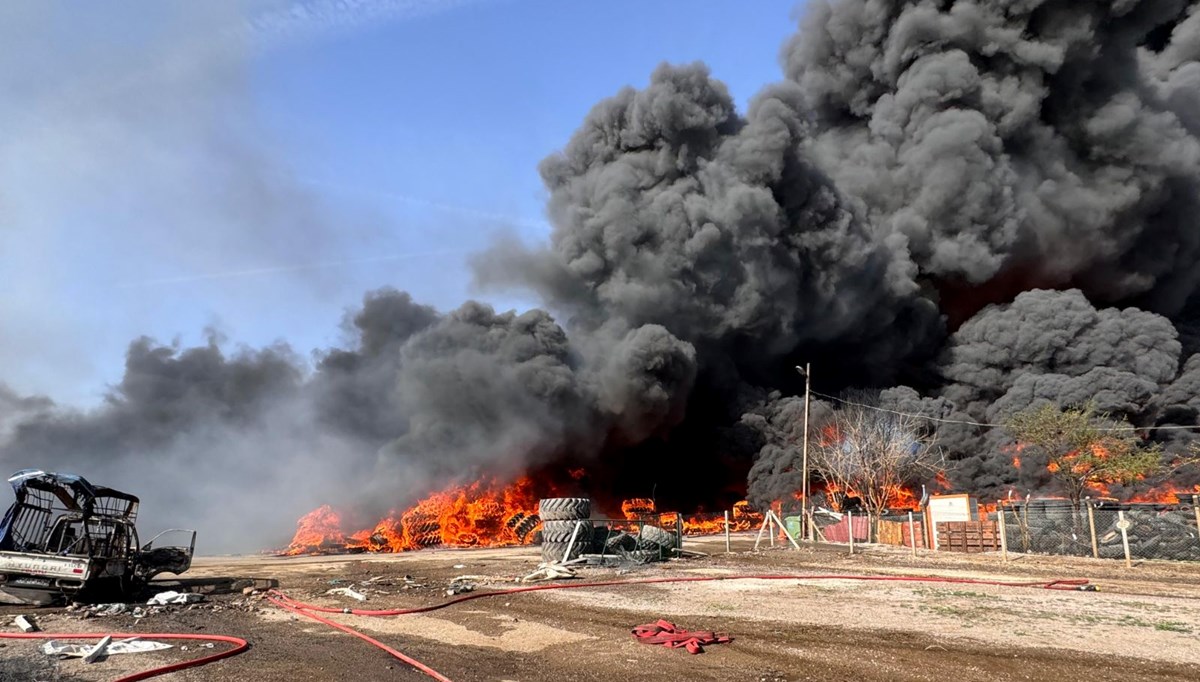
(463, 583)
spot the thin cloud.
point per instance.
(272, 270)
(457, 209)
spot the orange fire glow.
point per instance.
(636, 508)
(317, 529)
(898, 496)
(742, 517)
(1165, 493)
(483, 513)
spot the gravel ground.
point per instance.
(1143, 624)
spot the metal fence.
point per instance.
(1102, 529)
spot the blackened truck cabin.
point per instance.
(64, 537)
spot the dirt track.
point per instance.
(1144, 624)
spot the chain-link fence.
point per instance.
(1102, 529)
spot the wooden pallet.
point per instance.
(968, 536)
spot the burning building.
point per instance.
(965, 207)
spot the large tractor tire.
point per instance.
(564, 508)
(561, 531)
(653, 538)
(554, 551)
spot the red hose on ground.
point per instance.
(351, 631)
(240, 645)
(310, 610)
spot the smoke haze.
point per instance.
(967, 208)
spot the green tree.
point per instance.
(1082, 448)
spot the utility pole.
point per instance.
(804, 448)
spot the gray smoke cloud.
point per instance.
(669, 208)
(1053, 139)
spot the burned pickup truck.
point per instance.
(64, 537)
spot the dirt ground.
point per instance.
(1142, 624)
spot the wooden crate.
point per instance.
(968, 536)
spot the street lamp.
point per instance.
(805, 370)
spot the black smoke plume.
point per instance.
(964, 207)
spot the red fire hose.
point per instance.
(240, 645)
(310, 610)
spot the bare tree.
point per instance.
(873, 454)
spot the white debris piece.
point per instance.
(98, 650)
(25, 623)
(172, 597)
(549, 572)
(133, 645)
(349, 593)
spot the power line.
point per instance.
(964, 422)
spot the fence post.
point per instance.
(912, 534)
(761, 529)
(1024, 523)
(1003, 530)
(727, 531)
(1124, 526)
(850, 524)
(1092, 527)
(1196, 511)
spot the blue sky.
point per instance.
(168, 171)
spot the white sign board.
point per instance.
(943, 508)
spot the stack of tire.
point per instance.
(560, 517)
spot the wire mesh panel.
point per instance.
(1094, 529)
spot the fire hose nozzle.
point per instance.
(1088, 588)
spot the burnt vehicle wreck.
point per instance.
(66, 538)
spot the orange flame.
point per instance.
(1167, 493)
(898, 496)
(637, 508)
(316, 530)
(741, 518)
(481, 513)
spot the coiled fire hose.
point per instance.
(239, 645)
(311, 610)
